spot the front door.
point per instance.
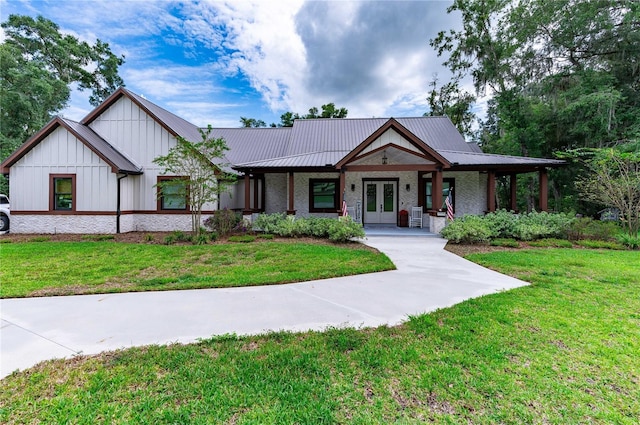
(380, 202)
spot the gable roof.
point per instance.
(118, 162)
(175, 125)
(310, 143)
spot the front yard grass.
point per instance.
(562, 350)
(62, 268)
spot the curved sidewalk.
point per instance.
(427, 278)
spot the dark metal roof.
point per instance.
(102, 148)
(177, 125)
(118, 162)
(318, 142)
(253, 144)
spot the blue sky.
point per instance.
(212, 62)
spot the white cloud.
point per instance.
(372, 57)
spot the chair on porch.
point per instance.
(415, 219)
(351, 212)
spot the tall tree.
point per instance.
(38, 65)
(452, 101)
(562, 74)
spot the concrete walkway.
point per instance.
(427, 278)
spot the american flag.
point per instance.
(344, 207)
(449, 203)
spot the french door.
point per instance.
(381, 198)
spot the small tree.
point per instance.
(200, 163)
(612, 179)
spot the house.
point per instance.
(98, 175)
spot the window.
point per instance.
(62, 192)
(447, 186)
(173, 194)
(323, 195)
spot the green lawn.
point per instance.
(563, 350)
(55, 268)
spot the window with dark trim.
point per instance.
(447, 186)
(62, 192)
(172, 194)
(323, 195)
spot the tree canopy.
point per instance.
(560, 74)
(38, 66)
(286, 120)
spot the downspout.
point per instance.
(118, 203)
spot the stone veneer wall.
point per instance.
(275, 188)
(470, 192)
(93, 224)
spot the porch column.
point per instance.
(514, 190)
(255, 192)
(491, 191)
(291, 211)
(247, 195)
(436, 189)
(342, 185)
(544, 189)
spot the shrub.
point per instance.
(223, 221)
(631, 242)
(265, 236)
(169, 240)
(340, 230)
(149, 237)
(538, 225)
(269, 223)
(503, 224)
(468, 229)
(587, 228)
(200, 239)
(345, 229)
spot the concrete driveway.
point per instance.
(427, 278)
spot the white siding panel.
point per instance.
(388, 137)
(62, 153)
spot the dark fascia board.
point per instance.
(42, 134)
(269, 170)
(403, 131)
(507, 168)
(30, 144)
(121, 91)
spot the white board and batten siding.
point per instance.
(141, 139)
(62, 153)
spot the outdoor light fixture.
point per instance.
(384, 157)
(353, 187)
(408, 186)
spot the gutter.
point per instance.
(125, 175)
